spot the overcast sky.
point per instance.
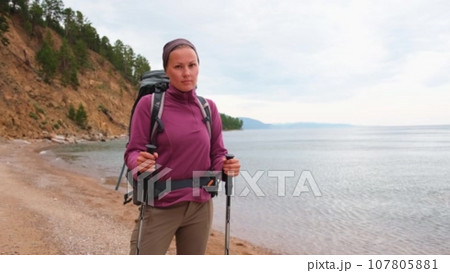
(380, 62)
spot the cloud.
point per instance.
(298, 60)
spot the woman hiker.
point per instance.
(183, 148)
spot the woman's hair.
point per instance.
(174, 44)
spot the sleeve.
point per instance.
(139, 132)
(218, 150)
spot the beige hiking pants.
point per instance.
(189, 222)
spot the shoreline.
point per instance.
(64, 212)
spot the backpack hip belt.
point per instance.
(163, 187)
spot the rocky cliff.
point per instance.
(31, 108)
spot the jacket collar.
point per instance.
(180, 95)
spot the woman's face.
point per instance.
(182, 69)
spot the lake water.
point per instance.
(356, 190)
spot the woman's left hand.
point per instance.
(231, 167)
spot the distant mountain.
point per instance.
(298, 125)
(250, 123)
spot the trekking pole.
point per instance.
(120, 176)
(228, 189)
(150, 149)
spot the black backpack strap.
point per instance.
(156, 109)
(206, 112)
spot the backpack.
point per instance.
(156, 83)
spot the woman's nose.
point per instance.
(186, 71)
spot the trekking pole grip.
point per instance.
(150, 148)
(226, 178)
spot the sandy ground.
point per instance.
(48, 210)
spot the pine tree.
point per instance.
(53, 13)
(67, 65)
(118, 55)
(72, 112)
(4, 6)
(81, 116)
(128, 62)
(106, 48)
(141, 65)
(48, 59)
(36, 13)
(81, 53)
(3, 28)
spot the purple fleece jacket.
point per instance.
(183, 147)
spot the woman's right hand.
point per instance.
(146, 162)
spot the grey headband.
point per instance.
(170, 46)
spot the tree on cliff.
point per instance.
(48, 59)
(53, 14)
(3, 28)
(68, 65)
